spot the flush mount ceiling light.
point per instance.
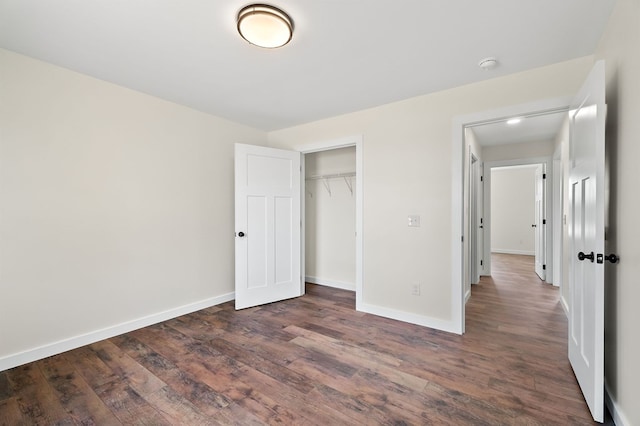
(488, 63)
(513, 121)
(265, 26)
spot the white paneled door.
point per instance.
(586, 238)
(267, 225)
(540, 224)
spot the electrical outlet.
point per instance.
(415, 288)
(413, 221)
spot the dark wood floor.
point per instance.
(314, 360)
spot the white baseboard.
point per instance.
(565, 305)
(618, 416)
(330, 283)
(467, 296)
(509, 251)
(64, 345)
(422, 320)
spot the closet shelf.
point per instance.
(332, 176)
(325, 180)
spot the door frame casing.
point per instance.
(557, 195)
(474, 270)
(326, 145)
(457, 188)
(548, 209)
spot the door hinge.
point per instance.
(481, 263)
(544, 267)
(481, 178)
(462, 239)
(544, 221)
(544, 176)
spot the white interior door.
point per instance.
(540, 223)
(267, 225)
(586, 238)
(480, 222)
(474, 262)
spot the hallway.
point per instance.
(522, 321)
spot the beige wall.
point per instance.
(114, 205)
(330, 242)
(513, 209)
(407, 150)
(620, 47)
(517, 151)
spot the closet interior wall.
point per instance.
(330, 241)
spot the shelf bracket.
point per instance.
(347, 180)
(325, 182)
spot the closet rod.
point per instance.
(335, 175)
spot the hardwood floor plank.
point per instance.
(5, 388)
(10, 414)
(139, 378)
(177, 409)
(281, 398)
(115, 389)
(92, 369)
(207, 401)
(75, 395)
(216, 372)
(36, 401)
(340, 349)
(128, 406)
(263, 365)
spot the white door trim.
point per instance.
(457, 188)
(356, 141)
(557, 193)
(547, 161)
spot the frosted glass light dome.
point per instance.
(265, 26)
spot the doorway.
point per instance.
(325, 179)
(523, 148)
(517, 205)
(330, 218)
(476, 228)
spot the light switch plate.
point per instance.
(414, 221)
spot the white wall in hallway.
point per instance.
(513, 209)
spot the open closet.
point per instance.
(330, 217)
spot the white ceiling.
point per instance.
(539, 128)
(344, 56)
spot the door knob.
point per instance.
(613, 258)
(241, 234)
(582, 256)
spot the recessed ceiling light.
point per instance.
(488, 63)
(265, 26)
(513, 121)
